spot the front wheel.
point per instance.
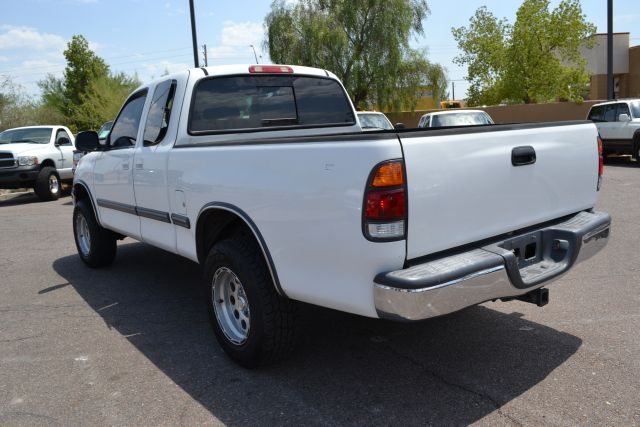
(96, 245)
(253, 324)
(47, 184)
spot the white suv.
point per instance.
(618, 123)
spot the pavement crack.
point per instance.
(22, 338)
(461, 387)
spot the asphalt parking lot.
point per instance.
(131, 344)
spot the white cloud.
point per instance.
(241, 33)
(154, 70)
(235, 40)
(29, 38)
(173, 11)
(3, 59)
(626, 19)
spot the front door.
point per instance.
(113, 172)
(64, 163)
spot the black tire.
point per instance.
(271, 335)
(100, 249)
(48, 186)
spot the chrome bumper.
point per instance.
(502, 269)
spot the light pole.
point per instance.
(254, 53)
(193, 35)
(610, 90)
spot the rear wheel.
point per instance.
(96, 245)
(253, 324)
(47, 184)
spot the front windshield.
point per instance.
(29, 135)
(635, 109)
(459, 119)
(374, 121)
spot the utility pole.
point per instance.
(204, 51)
(610, 91)
(193, 35)
(453, 91)
(254, 53)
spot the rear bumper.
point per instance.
(501, 269)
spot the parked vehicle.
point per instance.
(618, 123)
(37, 157)
(438, 119)
(373, 120)
(263, 175)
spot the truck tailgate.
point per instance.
(463, 187)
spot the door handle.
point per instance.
(521, 156)
(125, 166)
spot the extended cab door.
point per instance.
(150, 165)
(113, 172)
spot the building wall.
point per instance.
(597, 55)
(598, 86)
(634, 72)
(521, 113)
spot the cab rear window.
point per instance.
(267, 102)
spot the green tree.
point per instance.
(18, 109)
(365, 43)
(536, 59)
(103, 98)
(88, 94)
(83, 67)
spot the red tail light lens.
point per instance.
(600, 163)
(385, 203)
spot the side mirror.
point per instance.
(399, 126)
(87, 141)
(624, 118)
(63, 140)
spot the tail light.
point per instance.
(600, 163)
(385, 203)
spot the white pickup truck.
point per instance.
(263, 175)
(37, 157)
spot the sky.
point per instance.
(147, 37)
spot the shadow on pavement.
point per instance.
(29, 197)
(621, 161)
(346, 370)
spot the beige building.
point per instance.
(626, 67)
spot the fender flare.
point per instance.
(256, 233)
(93, 203)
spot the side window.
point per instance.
(125, 129)
(159, 112)
(62, 138)
(596, 114)
(610, 113)
(265, 102)
(623, 108)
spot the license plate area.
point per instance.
(527, 249)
